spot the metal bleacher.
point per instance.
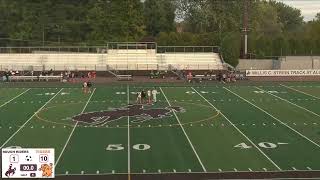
(115, 56)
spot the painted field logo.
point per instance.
(140, 112)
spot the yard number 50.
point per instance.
(119, 147)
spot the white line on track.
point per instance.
(289, 102)
(14, 98)
(67, 142)
(194, 150)
(239, 130)
(274, 117)
(302, 92)
(129, 158)
(29, 119)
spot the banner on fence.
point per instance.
(263, 73)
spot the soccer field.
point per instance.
(202, 130)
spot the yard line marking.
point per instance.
(239, 130)
(67, 142)
(23, 125)
(14, 98)
(302, 92)
(194, 150)
(289, 102)
(129, 158)
(274, 118)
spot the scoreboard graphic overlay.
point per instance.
(27, 163)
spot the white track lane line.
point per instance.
(129, 158)
(239, 131)
(289, 102)
(194, 150)
(300, 91)
(74, 127)
(29, 119)
(14, 98)
(273, 117)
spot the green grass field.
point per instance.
(237, 128)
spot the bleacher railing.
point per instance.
(111, 46)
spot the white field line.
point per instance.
(74, 127)
(186, 172)
(289, 102)
(194, 150)
(129, 158)
(273, 117)
(14, 98)
(300, 91)
(239, 131)
(29, 119)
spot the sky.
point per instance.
(309, 8)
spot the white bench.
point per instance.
(124, 77)
(205, 77)
(36, 78)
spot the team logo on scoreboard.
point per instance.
(11, 171)
(140, 112)
(46, 170)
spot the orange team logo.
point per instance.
(46, 170)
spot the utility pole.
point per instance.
(245, 29)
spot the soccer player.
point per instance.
(154, 95)
(85, 87)
(149, 96)
(143, 95)
(138, 98)
(89, 84)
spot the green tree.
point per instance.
(159, 16)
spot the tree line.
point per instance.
(275, 28)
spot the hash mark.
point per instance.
(67, 172)
(235, 169)
(143, 170)
(113, 171)
(265, 169)
(82, 172)
(220, 170)
(159, 170)
(250, 169)
(97, 172)
(174, 170)
(294, 168)
(309, 168)
(189, 170)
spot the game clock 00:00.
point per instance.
(28, 163)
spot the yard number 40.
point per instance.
(119, 147)
(266, 145)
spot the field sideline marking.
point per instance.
(274, 117)
(67, 142)
(300, 91)
(174, 113)
(239, 131)
(14, 98)
(30, 119)
(289, 102)
(129, 160)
